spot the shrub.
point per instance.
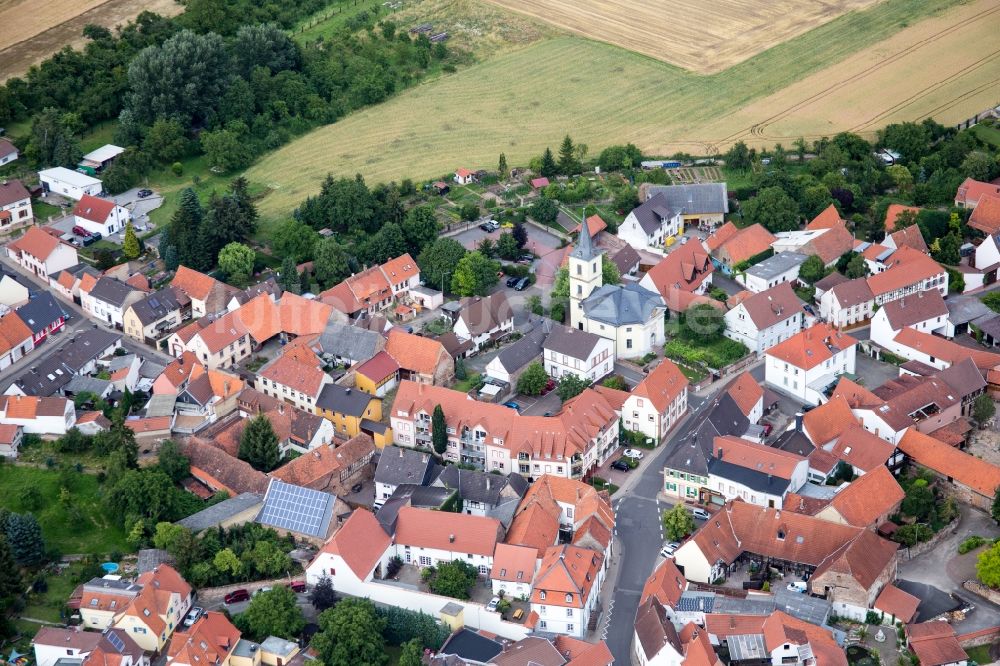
(177, 168)
(971, 544)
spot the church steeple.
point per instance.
(584, 249)
(585, 275)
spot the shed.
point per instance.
(68, 183)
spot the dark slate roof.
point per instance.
(41, 312)
(776, 265)
(56, 371)
(650, 215)
(626, 259)
(571, 341)
(46, 378)
(618, 305)
(217, 513)
(694, 199)
(963, 377)
(963, 309)
(342, 400)
(469, 645)
(473, 485)
(524, 351)
(110, 290)
(410, 494)
(398, 465)
(150, 558)
(794, 441)
(585, 249)
(268, 286)
(693, 452)
(83, 384)
(348, 342)
(751, 478)
(831, 281)
(87, 346)
(159, 304)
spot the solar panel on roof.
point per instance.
(862, 247)
(296, 509)
(885, 255)
(116, 640)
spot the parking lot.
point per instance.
(544, 245)
(538, 405)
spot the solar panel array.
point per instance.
(116, 640)
(297, 509)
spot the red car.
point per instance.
(297, 586)
(80, 231)
(549, 385)
(767, 429)
(236, 596)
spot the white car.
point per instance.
(700, 513)
(492, 606)
(799, 586)
(669, 549)
(193, 616)
(633, 453)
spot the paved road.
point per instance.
(639, 537)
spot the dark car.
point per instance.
(526, 259)
(142, 194)
(356, 488)
(522, 284)
(513, 405)
(620, 465)
(96, 235)
(511, 281)
(236, 596)
(89, 240)
(549, 385)
(297, 586)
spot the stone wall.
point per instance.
(981, 637)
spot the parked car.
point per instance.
(620, 465)
(797, 586)
(262, 590)
(492, 606)
(512, 280)
(356, 488)
(193, 615)
(80, 231)
(513, 405)
(96, 235)
(549, 386)
(633, 453)
(525, 258)
(487, 228)
(669, 549)
(767, 429)
(236, 596)
(700, 513)
(142, 194)
(522, 284)
(298, 586)
(87, 241)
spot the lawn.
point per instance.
(716, 354)
(44, 211)
(526, 99)
(49, 604)
(980, 654)
(988, 134)
(85, 527)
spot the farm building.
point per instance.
(97, 160)
(464, 176)
(72, 184)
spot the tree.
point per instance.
(236, 261)
(532, 381)
(412, 653)
(225, 150)
(475, 274)
(625, 199)
(130, 246)
(988, 566)
(980, 165)
(332, 263)
(983, 409)
(263, 45)
(268, 559)
(294, 239)
(454, 579)
(439, 430)
(165, 141)
(11, 585)
(170, 259)
(738, 157)
(184, 230)
(814, 200)
(507, 247)
(703, 321)
(118, 439)
(184, 78)
(919, 500)
(322, 596)
(259, 444)
(856, 267)
(168, 535)
(905, 218)
(548, 167)
(147, 495)
(773, 209)
(53, 141)
(812, 270)
(520, 233)
(568, 164)
(420, 228)
(273, 613)
(947, 249)
(502, 166)
(800, 148)
(678, 522)
(570, 386)
(992, 300)
(901, 178)
(609, 271)
(438, 261)
(288, 278)
(544, 211)
(172, 462)
(469, 212)
(24, 535)
(227, 562)
(351, 633)
(911, 140)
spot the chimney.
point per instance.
(719, 456)
(347, 391)
(400, 452)
(798, 421)
(451, 538)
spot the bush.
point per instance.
(971, 544)
(177, 168)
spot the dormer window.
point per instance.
(781, 535)
(569, 598)
(541, 595)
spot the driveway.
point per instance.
(874, 373)
(542, 243)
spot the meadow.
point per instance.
(901, 59)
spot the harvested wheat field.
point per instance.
(704, 37)
(30, 35)
(527, 99)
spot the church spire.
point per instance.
(584, 248)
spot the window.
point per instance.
(628, 343)
(424, 561)
(541, 595)
(569, 628)
(569, 611)
(541, 624)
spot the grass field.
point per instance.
(33, 30)
(990, 135)
(88, 530)
(528, 98)
(703, 37)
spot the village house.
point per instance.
(428, 538)
(102, 598)
(847, 565)
(211, 640)
(108, 299)
(701, 204)
(973, 480)
(43, 315)
(378, 375)
(656, 641)
(755, 473)
(484, 320)
(206, 294)
(420, 359)
(907, 271)
(565, 590)
(8, 151)
(153, 614)
(355, 555)
(493, 437)
(151, 317)
(935, 644)
(296, 430)
(481, 493)
(513, 570)
(866, 502)
(808, 363)
(910, 236)
(15, 204)
(657, 403)
(343, 344)
(847, 303)
(69, 183)
(331, 468)
(648, 225)
(986, 216)
(11, 437)
(766, 318)
(398, 466)
(729, 247)
(374, 289)
(288, 319)
(572, 351)
(924, 311)
(217, 470)
(208, 396)
(781, 638)
(218, 343)
(349, 410)
(513, 359)
(52, 644)
(16, 339)
(101, 216)
(80, 355)
(295, 376)
(38, 416)
(971, 191)
(936, 352)
(779, 269)
(681, 278)
(13, 291)
(42, 253)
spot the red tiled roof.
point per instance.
(94, 208)
(566, 576)
(829, 218)
(11, 191)
(910, 237)
(906, 267)
(746, 243)
(946, 350)
(595, 224)
(415, 352)
(980, 475)
(750, 455)
(684, 270)
(935, 643)
(809, 348)
(868, 498)
(194, 284)
(666, 583)
(773, 306)
(986, 216)
(828, 421)
(457, 532)
(361, 542)
(514, 564)
(894, 601)
(861, 449)
(35, 242)
(209, 641)
(663, 385)
(971, 191)
(892, 212)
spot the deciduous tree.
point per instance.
(438, 261)
(983, 408)
(812, 270)
(332, 263)
(678, 522)
(351, 633)
(532, 381)
(323, 596)
(856, 267)
(544, 210)
(172, 462)
(454, 579)
(570, 386)
(773, 209)
(274, 612)
(474, 275)
(236, 261)
(988, 566)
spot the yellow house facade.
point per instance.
(347, 407)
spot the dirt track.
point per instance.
(41, 34)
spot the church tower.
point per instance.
(585, 275)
